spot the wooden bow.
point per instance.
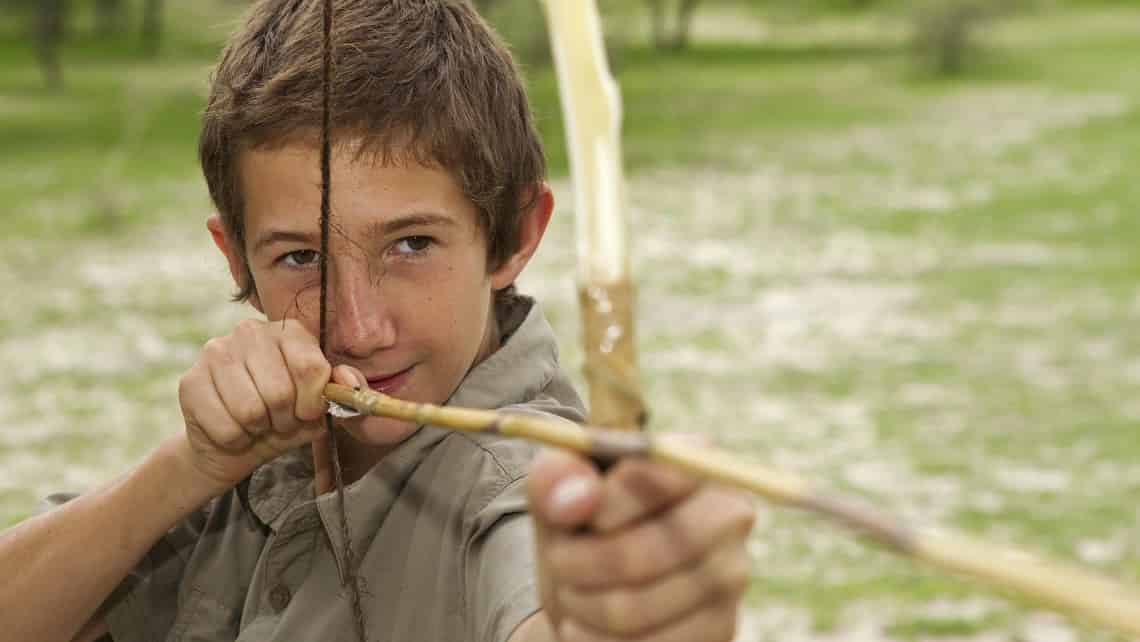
(591, 108)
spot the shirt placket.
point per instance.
(289, 558)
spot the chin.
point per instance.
(381, 431)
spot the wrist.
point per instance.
(192, 485)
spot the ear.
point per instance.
(532, 226)
(237, 264)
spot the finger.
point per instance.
(563, 489)
(349, 376)
(655, 547)
(636, 489)
(717, 623)
(204, 412)
(308, 368)
(266, 366)
(237, 391)
(638, 610)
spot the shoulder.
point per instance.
(491, 470)
(487, 471)
(508, 459)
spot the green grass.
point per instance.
(920, 290)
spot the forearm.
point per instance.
(60, 566)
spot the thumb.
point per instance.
(349, 376)
(564, 490)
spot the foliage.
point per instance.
(671, 23)
(947, 32)
(522, 24)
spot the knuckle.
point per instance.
(641, 563)
(734, 576)
(310, 412)
(724, 626)
(219, 351)
(561, 559)
(187, 382)
(743, 514)
(279, 400)
(248, 326)
(621, 612)
(312, 367)
(733, 513)
(248, 414)
(230, 439)
(296, 329)
(215, 346)
(740, 500)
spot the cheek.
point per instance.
(291, 299)
(302, 303)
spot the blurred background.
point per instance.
(885, 244)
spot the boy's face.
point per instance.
(409, 290)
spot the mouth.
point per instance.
(390, 384)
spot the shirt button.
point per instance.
(279, 597)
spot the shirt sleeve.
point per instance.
(144, 605)
(502, 587)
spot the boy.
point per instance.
(229, 530)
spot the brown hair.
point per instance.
(413, 80)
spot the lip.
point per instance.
(390, 384)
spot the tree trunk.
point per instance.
(152, 26)
(685, 13)
(50, 20)
(110, 15)
(657, 23)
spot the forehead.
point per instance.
(281, 190)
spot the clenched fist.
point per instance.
(643, 552)
(252, 396)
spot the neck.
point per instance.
(356, 458)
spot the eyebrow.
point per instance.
(374, 230)
(278, 236)
(413, 219)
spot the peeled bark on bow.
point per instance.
(591, 108)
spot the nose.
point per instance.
(359, 323)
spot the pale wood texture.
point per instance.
(591, 107)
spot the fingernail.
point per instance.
(569, 492)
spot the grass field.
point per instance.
(922, 291)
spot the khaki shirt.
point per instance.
(439, 528)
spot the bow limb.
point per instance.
(591, 108)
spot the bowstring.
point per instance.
(350, 578)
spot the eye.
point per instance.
(300, 258)
(413, 245)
